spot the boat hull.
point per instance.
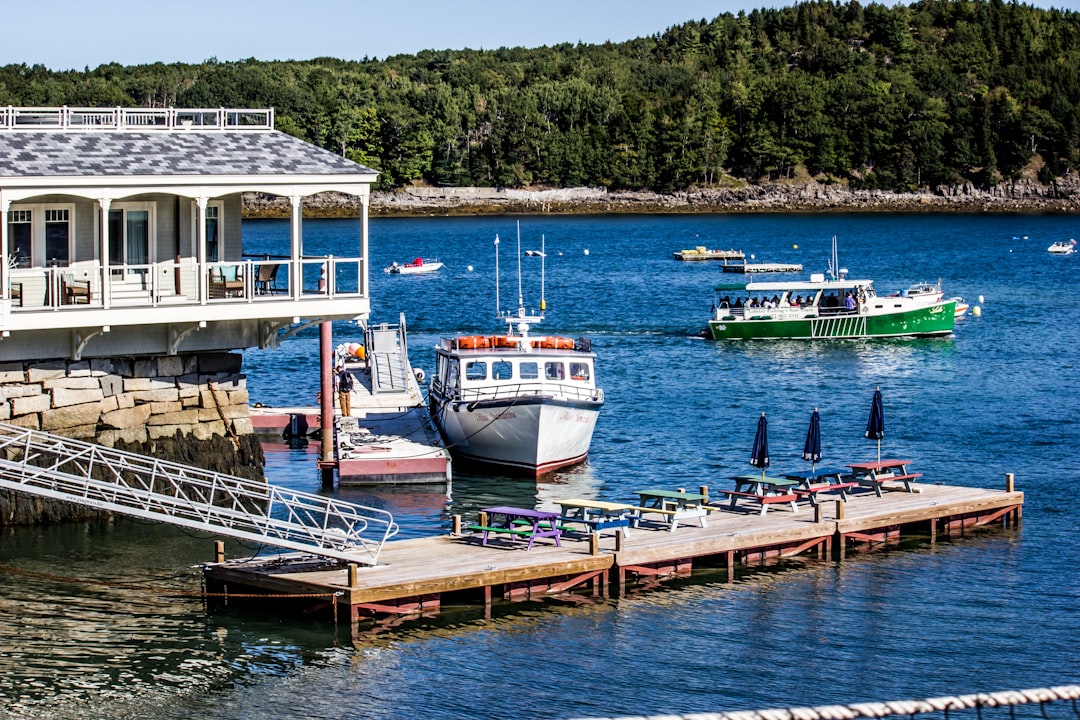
(924, 321)
(524, 436)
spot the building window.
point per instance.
(57, 237)
(129, 236)
(213, 213)
(20, 237)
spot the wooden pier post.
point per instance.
(704, 490)
(352, 575)
(731, 566)
(839, 509)
(455, 525)
(594, 543)
(817, 513)
(219, 551)
(1010, 482)
(619, 541)
(483, 518)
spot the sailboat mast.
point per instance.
(521, 299)
(498, 312)
(543, 259)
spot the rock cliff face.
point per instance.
(191, 409)
(1018, 196)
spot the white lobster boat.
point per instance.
(525, 404)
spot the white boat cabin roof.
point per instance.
(794, 286)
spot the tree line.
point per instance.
(898, 97)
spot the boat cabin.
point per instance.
(815, 297)
(122, 232)
(481, 367)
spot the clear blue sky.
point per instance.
(74, 34)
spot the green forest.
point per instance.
(900, 97)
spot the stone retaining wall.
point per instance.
(184, 408)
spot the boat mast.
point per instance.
(543, 259)
(498, 312)
(521, 300)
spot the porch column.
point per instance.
(106, 271)
(200, 249)
(5, 270)
(364, 245)
(296, 244)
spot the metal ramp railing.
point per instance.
(387, 358)
(39, 463)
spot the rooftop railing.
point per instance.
(120, 118)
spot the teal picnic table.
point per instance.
(765, 490)
(673, 505)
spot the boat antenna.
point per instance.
(543, 259)
(498, 312)
(521, 300)
(834, 263)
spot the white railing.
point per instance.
(565, 391)
(80, 286)
(118, 118)
(46, 465)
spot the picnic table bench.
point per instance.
(875, 474)
(519, 522)
(764, 490)
(821, 480)
(674, 505)
(597, 515)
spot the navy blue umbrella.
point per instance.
(811, 451)
(759, 456)
(875, 424)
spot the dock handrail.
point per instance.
(76, 471)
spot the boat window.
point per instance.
(452, 374)
(528, 371)
(476, 370)
(579, 371)
(554, 371)
(502, 370)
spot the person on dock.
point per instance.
(345, 388)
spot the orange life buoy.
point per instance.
(502, 341)
(472, 342)
(553, 342)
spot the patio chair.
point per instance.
(266, 279)
(224, 283)
(74, 292)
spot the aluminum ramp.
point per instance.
(39, 463)
(388, 358)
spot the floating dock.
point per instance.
(418, 576)
(762, 268)
(388, 439)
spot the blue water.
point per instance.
(999, 610)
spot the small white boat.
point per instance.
(1062, 248)
(416, 267)
(961, 306)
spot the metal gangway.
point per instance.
(76, 471)
(388, 357)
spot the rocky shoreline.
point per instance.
(1021, 196)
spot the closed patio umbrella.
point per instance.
(812, 447)
(759, 456)
(875, 424)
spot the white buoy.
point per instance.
(586, 251)
(981, 299)
(470, 268)
(976, 311)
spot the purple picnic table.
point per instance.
(536, 517)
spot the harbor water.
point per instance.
(104, 620)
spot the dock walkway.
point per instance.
(417, 575)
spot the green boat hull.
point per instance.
(918, 322)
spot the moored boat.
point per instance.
(1062, 248)
(961, 306)
(416, 267)
(526, 404)
(703, 253)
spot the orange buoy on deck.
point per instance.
(553, 342)
(472, 342)
(504, 341)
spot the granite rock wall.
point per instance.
(189, 408)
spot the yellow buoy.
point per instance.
(795, 246)
(976, 311)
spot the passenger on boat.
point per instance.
(738, 303)
(849, 301)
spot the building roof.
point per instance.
(31, 154)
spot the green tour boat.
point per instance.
(819, 308)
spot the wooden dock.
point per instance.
(418, 576)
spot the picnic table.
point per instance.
(520, 523)
(597, 515)
(874, 474)
(821, 480)
(674, 505)
(764, 490)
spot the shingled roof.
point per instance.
(31, 154)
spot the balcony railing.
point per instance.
(79, 286)
(119, 118)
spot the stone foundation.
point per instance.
(191, 409)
